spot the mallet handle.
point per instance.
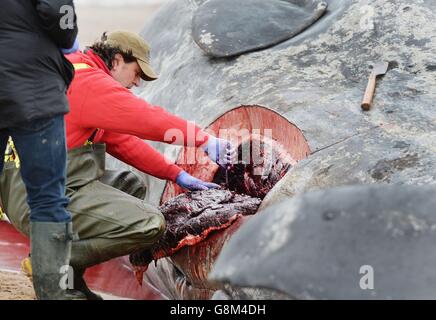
(369, 93)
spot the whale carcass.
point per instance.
(353, 242)
(303, 94)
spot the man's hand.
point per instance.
(185, 180)
(220, 151)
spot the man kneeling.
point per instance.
(107, 208)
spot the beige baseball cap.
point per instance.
(129, 41)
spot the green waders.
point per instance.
(109, 221)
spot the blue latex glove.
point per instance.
(220, 151)
(73, 49)
(185, 180)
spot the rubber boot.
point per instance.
(85, 254)
(81, 290)
(50, 248)
(89, 252)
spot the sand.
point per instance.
(15, 286)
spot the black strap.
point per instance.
(92, 136)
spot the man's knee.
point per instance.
(152, 228)
(158, 229)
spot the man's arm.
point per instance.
(59, 20)
(107, 105)
(111, 107)
(140, 155)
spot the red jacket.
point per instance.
(98, 101)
